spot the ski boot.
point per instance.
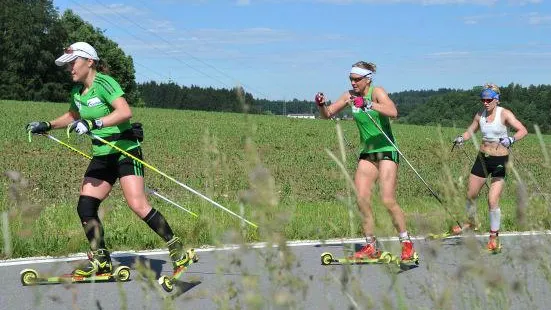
(368, 251)
(494, 246)
(99, 262)
(180, 261)
(408, 253)
(468, 226)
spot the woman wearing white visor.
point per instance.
(492, 121)
(98, 107)
(378, 158)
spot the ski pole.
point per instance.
(407, 161)
(468, 159)
(150, 191)
(412, 168)
(171, 178)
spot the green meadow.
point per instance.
(289, 176)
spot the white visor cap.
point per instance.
(79, 49)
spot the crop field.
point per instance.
(283, 174)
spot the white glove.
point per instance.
(507, 141)
(459, 140)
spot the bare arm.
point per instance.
(510, 120)
(474, 127)
(383, 104)
(331, 110)
(121, 113)
(65, 119)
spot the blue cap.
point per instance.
(488, 93)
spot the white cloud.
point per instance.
(524, 2)
(537, 19)
(449, 54)
(419, 2)
(160, 26)
(109, 9)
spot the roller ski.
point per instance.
(368, 254)
(385, 258)
(454, 232)
(180, 262)
(98, 268)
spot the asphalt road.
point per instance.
(453, 274)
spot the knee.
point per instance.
(390, 203)
(364, 201)
(87, 208)
(138, 204)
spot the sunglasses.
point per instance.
(486, 100)
(356, 80)
(70, 50)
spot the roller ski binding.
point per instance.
(494, 246)
(409, 257)
(98, 268)
(180, 262)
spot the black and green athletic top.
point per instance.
(96, 103)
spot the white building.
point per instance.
(301, 116)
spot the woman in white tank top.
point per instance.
(492, 121)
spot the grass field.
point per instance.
(277, 170)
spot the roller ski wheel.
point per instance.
(122, 274)
(167, 282)
(32, 277)
(328, 259)
(29, 277)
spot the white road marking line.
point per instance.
(259, 245)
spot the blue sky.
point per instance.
(285, 49)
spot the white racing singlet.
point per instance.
(495, 130)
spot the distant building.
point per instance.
(301, 115)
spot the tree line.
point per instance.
(33, 35)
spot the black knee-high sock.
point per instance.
(87, 209)
(95, 234)
(158, 223)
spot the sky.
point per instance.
(291, 49)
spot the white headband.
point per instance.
(361, 71)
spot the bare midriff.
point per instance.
(493, 148)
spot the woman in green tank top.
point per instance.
(378, 157)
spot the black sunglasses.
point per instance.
(356, 80)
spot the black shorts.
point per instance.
(113, 166)
(485, 164)
(375, 157)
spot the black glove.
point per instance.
(38, 127)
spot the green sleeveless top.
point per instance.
(371, 138)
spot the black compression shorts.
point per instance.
(112, 166)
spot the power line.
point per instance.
(188, 54)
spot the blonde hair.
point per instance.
(492, 86)
(366, 65)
